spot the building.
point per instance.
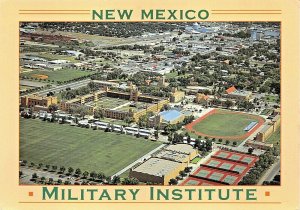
(183, 149)
(117, 105)
(157, 170)
(35, 100)
(201, 99)
(165, 118)
(164, 165)
(162, 82)
(269, 129)
(176, 95)
(258, 145)
(233, 93)
(104, 84)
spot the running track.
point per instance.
(260, 120)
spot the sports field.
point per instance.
(223, 168)
(224, 124)
(87, 149)
(58, 75)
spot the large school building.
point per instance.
(268, 129)
(117, 105)
(165, 165)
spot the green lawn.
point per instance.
(272, 98)
(196, 160)
(87, 149)
(224, 124)
(275, 138)
(59, 75)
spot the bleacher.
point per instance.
(250, 126)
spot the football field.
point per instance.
(87, 149)
(225, 124)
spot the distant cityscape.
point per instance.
(150, 103)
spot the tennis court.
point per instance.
(222, 154)
(230, 179)
(235, 157)
(202, 173)
(213, 163)
(239, 168)
(247, 160)
(216, 176)
(226, 166)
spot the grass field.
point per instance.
(59, 75)
(91, 150)
(272, 98)
(224, 124)
(196, 160)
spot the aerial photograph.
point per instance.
(149, 103)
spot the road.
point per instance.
(148, 155)
(73, 85)
(271, 173)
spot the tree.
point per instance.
(62, 169)
(70, 170)
(156, 134)
(59, 181)
(54, 168)
(218, 48)
(173, 182)
(50, 181)
(130, 181)
(98, 113)
(170, 138)
(187, 169)
(85, 174)
(101, 176)
(250, 150)
(52, 108)
(234, 143)
(227, 142)
(182, 173)
(228, 104)
(93, 175)
(78, 172)
(43, 179)
(34, 176)
(47, 167)
(115, 180)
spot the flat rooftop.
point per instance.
(171, 155)
(157, 167)
(170, 115)
(181, 148)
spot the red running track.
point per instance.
(190, 126)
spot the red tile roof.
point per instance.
(230, 90)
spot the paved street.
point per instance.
(271, 173)
(73, 85)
